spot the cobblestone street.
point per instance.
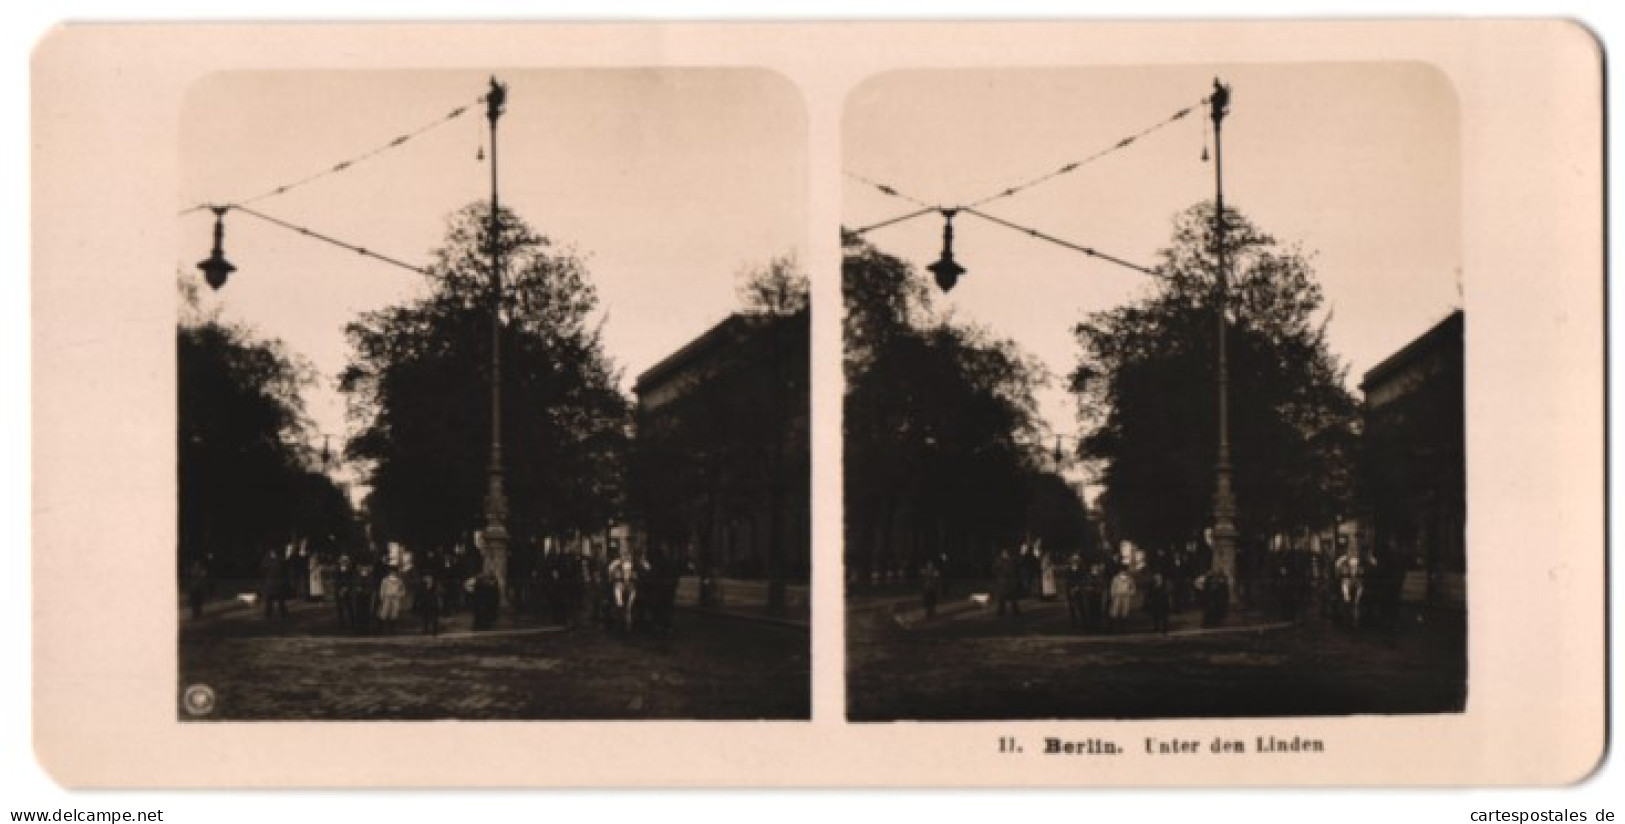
(965, 664)
(711, 667)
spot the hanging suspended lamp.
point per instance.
(215, 267)
(946, 270)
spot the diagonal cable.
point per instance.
(342, 166)
(1092, 252)
(1078, 164)
(890, 191)
(899, 219)
(310, 233)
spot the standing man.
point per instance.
(1122, 594)
(274, 582)
(930, 586)
(1350, 584)
(1158, 602)
(197, 586)
(427, 602)
(1007, 582)
(1216, 595)
(344, 595)
(1076, 612)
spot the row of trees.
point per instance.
(941, 432)
(419, 383)
(942, 451)
(247, 480)
(939, 415)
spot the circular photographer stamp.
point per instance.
(198, 699)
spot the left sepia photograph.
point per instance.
(492, 396)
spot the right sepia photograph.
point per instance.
(1154, 394)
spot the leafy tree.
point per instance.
(420, 382)
(1056, 515)
(1147, 391)
(778, 287)
(940, 425)
(242, 471)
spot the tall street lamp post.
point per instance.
(1224, 496)
(948, 271)
(494, 538)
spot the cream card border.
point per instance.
(106, 103)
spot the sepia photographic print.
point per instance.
(492, 396)
(1073, 488)
(1061, 404)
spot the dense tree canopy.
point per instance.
(244, 470)
(419, 379)
(941, 428)
(1146, 383)
(777, 287)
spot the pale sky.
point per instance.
(668, 183)
(1359, 163)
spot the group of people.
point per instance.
(568, 588)
(373, 596)
(1101, 596)
(632, 590)
(1356, 589)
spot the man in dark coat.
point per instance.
(930, 586)
(427, 602)
(1158, 602)
(486, 600)
(344, 585)
(197, 586)
(1076, 610)
(274, 583)
(1216, 598)
(1007, 582)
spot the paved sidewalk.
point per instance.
(747, 600)
(973, 616)
(307, 666)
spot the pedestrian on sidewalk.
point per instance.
(1215, 598)
(320, 574)
(298, 572)
(1158, 601)
(1350, 584)
(1007, 582)
(344, 595)
(930, 586)
(1029, 569)
(197, 586)
(1095, 597)
(487, 597)
(1048, 576)
(391, 592)
(1122, 595)
(1076, 611)
(274, 583)
(452, 576)
(428, 602)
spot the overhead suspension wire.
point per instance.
(1078, 164)
(1011, 191)
(1092, 252)
(338, 167)
(311, 233)
(889, 190)
(899, 219)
